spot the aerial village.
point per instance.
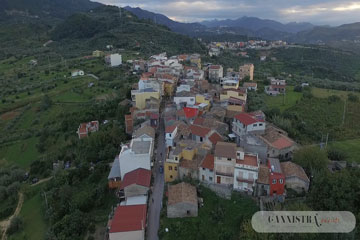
(189, 123)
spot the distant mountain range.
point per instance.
(184, 28)
(256, 24)
(43, 8)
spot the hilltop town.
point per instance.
(189, 124)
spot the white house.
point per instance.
(245, 123)
(246, 172)
(114, 60)
(170, 135)
(137, 155)
(185, 98)
(183, 88)
(216, 72)
(151, 83)
(206, 169)
(76, 73)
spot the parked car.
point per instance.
(34, 180)
(161, 169)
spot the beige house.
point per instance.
(247, 70)
(182, 201)
(295, 177)
(225, 160)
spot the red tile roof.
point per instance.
(139, 176)
(170, 129)
(215, 67)
(208, 162)
(199, 131)
(129, 218)
(282, 143)
(249, 160)
(199, 121)
(215, 137)
(190, 112)
(247, 119)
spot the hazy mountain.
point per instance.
(184, 28)
(256, 24)
(347, 32)
(45, 8)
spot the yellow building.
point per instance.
(171, 171)
(171, 166)
(235, 93)
(186, 150)
(169, 89)
(98, 53)
(203, 99)
(140, 97)
(196, 61)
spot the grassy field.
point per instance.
(32, 213)
(283, 102)
(324, 93)
(21, 153)
(350, 147)
(217, 219)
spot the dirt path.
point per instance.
(4, 225)
(42, 181)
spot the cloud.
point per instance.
(332, 12)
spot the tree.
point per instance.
(336, 155)
(46, 103)
(311, 158)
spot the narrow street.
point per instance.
(155, 205)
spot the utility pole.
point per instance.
(343, 118)
(327, 139)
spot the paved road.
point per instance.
(158, 188)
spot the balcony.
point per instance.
(246, 180)
(224, 174)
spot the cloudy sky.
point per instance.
(331, 12)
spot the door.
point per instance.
(218, 179)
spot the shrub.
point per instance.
(333, 99)
(336, 155)
(15, 226)
(353, 98)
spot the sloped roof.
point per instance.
(250, 160)
(215, 137)
(170, 129)
(199, 131)
(208, 162)
(225, 149)
(282, 142)
(139, 176)
(263, 176)
(182, 192)
(247, 119)
(199, 121)
(115, 169)
(291, 169)
(145, 130)
(129, 218)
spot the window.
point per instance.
(274, 181)
(260, 124)
(175, 168)
(281, 181)
(255, 125)
(204, 169)
(201, 139)
(238, 154)
(170, 168)
(171, 176)
(210, 178)
(229, 159)
(169, 134)
(191, 100)
(176, 158)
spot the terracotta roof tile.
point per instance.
(215, 137)
(250, 160)
(182, 192)
(282, 142)
(291, 169)
(129, 218)
(139, 176)
(247, 119)
(199, 131)
(226, 150)
(170, 129)
(264, 173)
(208, 162)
